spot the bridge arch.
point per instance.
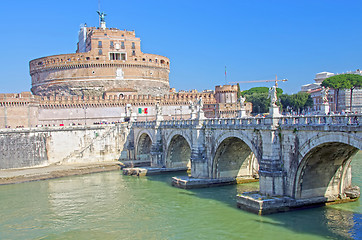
(234, 157)
(324, 166)
(178, 151)
(143, 145)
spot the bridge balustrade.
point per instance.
(320, 120)
(315, 120)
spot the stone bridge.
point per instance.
(299, 160)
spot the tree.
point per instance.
(258, 96)
(299, 101)
(338, 82)
(260, 90)
(256, 90)
(260, 102)
(239, 92)
(356, 82)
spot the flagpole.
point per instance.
(225, 77)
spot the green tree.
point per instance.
(256, 90)
(338, 82)
(260, 102)
(239, 92)
(299, 101)
(356, 82)
(258, 96)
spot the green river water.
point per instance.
(112, 206)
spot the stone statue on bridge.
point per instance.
(159, 116)
(200, 103)
(158, 109)
(242, 111)
(241, 101)
(273, 96)
(324, 94)
(192, 108)
(200, 111)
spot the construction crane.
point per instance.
(276, 80)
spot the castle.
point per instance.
(106, 80)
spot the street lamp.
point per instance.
(85, 114)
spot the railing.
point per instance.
(312, 120)
(351, 119)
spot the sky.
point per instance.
(254, 39)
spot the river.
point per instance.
(112, 206)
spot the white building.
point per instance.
(343, 98)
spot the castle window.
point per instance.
(162, 61)
(144, 59)
(156, 60)
(133, 45)
(122, 45)
(87, 58)
(150, 60)
(123, 56)
(114, 56)
(133, 53)
(100, 52)
(111, 44)
(100, 44)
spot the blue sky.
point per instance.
(255, 39)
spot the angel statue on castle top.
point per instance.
(101, 16)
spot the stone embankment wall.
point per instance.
(56, 145)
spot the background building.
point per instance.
(344, 95)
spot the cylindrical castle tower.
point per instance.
(226, 93)
(107, 59)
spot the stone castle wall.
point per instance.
(27, 110)
(18, 109)
(83, 74)
(106, 59)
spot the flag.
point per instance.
(142, 110)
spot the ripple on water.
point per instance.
(113, 206)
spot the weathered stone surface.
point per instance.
(189, 182)
(147, 171)
(353, 192)
(299, 161)
(57, 145)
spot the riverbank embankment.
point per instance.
(9, 176)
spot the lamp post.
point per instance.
(85, 114)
